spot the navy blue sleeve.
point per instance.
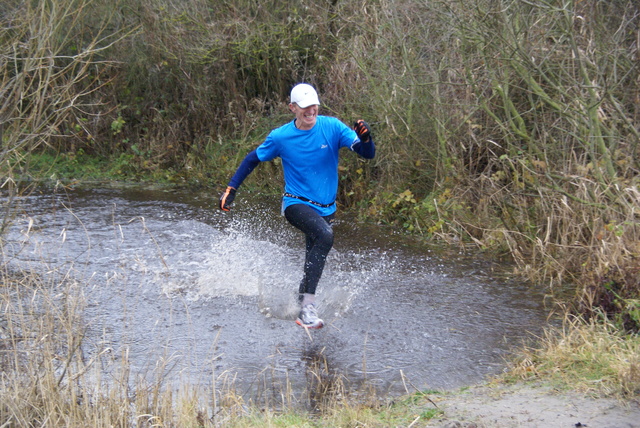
(366, 150)
(246, 167)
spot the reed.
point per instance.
(586, 356)
(52, 375)
(559, 175)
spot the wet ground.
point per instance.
(211, 295)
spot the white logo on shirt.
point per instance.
(324, 146)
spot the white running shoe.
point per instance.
(308, 317)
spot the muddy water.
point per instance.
(202, 296)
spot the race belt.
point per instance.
(302, 198)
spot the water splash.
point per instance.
(238, 263)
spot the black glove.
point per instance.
(226, 199)
(362, 129)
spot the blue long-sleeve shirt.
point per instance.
(309, 159)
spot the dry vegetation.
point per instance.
(595, 358)
(52, 377)
(509, 125)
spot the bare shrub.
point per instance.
(50, 73)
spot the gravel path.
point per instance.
(532, 406)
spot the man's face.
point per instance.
(305, 117)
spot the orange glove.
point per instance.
(226, 199)
(362, 129)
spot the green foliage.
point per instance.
(616, 297)
(117, 125)
(68, 167)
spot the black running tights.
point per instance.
(319, 240)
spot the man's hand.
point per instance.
(362, 129)
(226, 199)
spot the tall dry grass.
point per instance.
(512, 125)
(555, 141)
(586, 356)
(52, 375)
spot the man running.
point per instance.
(308, 147)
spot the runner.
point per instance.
(308, 147)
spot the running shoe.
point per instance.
(308, 317)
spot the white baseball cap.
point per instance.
(304, 95)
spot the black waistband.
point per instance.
(302, 198)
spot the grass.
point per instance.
(594, 357)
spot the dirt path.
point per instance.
(532, 407)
